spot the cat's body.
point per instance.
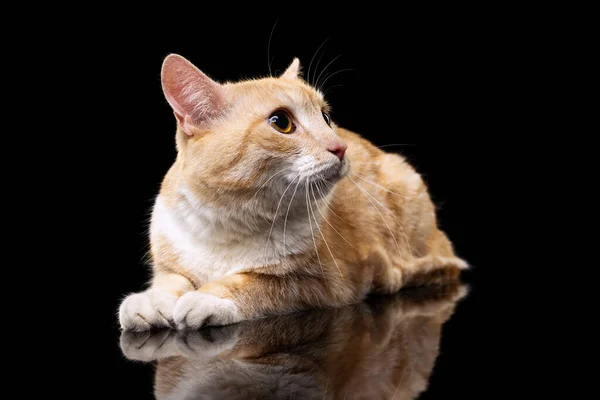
(253, 219)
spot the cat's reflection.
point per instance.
(382, 348)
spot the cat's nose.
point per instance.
(337, 148)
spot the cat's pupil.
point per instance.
(281, 121)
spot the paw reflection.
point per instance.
(383, 348)
(156, 345)
(149, 345)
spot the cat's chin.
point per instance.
(335, 173)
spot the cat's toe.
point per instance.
(454, 262)
(208, 342)
(195, 310)
(147, 310)
(149, 345)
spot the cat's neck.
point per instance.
(287, 230)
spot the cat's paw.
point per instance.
(149, 345)
(195, 310)
(150, 309)
(208, 342)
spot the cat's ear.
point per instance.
(194, 97)
(293, 70)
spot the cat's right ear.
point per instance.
(293, 71)
(194, 97)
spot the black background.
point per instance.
(446, 94)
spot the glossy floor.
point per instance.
(403, 346)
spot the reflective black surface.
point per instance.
(387, 347)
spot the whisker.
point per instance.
(308, 209)
(402, 379)
(330, 208)
(379, 212)
(267, 181)
(325, 240)
(397, 144)
(269, 47)
(277, 209)
(400, 224)
(379, 186)
(328, 90)
(312, 59)
(288, 211)
(332, 227)
(363, 151)
(319, 185)
(378, 162)
(332, 74)
(324, 69)
(317, 67)
(386, 145)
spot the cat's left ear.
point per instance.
(195, 98)
(293, 70)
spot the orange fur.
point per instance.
(372, 223)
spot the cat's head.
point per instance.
(265, 133)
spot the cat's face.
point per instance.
(271, 133)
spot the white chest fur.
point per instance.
(209, 247)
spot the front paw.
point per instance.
(195, 310)
(208, 342)
(149, 345)
(150, 309)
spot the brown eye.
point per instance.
(281, 121)
(326, 118)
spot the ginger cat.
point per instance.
(270, 208)
(382, 348)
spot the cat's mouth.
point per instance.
(334, 172)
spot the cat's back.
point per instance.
(387, 205)
(377, 170)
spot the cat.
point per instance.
(382, 348)
(261, 212)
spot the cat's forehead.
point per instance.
(273, 92)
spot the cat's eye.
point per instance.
(281, 121)
(326, 118)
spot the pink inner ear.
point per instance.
(191, 94)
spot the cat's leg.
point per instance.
(154, 307)
(252, 295)
(439, 266)
(423, 271)
(387, 275)
(432, 270)
(387, 279)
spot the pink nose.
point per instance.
(338, 148)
